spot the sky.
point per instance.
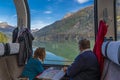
(43, 12)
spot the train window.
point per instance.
(118, 18)
(57, 25)
(8, 20)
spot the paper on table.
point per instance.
(52, 74)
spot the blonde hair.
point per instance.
(40, 53)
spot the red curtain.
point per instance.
(98, 43)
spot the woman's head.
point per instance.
(40, 53)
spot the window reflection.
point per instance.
(118, 18)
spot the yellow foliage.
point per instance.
(3, 38)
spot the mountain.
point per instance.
(5, 27)
(68, 15)
(72, 26)
(34, 30)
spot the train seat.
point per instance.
(9, 70)
(111, 69)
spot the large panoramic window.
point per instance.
(118, 18)
(58, 25)
(8, 20)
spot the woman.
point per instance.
(34, 65)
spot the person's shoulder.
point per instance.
(89, 52)
(34, 60)
(86, 54)
(89, 55)
(79, 57)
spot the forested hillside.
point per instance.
(71, 27)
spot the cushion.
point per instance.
(14, 48)
(2, 50)
(111, 50)
(111, 71)
(14, 69)
(4, 72)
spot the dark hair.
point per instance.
(84, 43)
(40, 53)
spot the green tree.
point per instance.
(3, 38)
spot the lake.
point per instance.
(51, 58)
(54, 59)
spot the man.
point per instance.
(85, 65)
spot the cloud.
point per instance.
(14, 17)
(35, 11)
(82, 1)
(48, 12)
(11, 20)
(38, 24)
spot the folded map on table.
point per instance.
(51, 74)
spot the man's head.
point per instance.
(84, 44)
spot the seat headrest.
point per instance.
(2, 49)
(9, 49)
(111, 50)
(14, 48)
